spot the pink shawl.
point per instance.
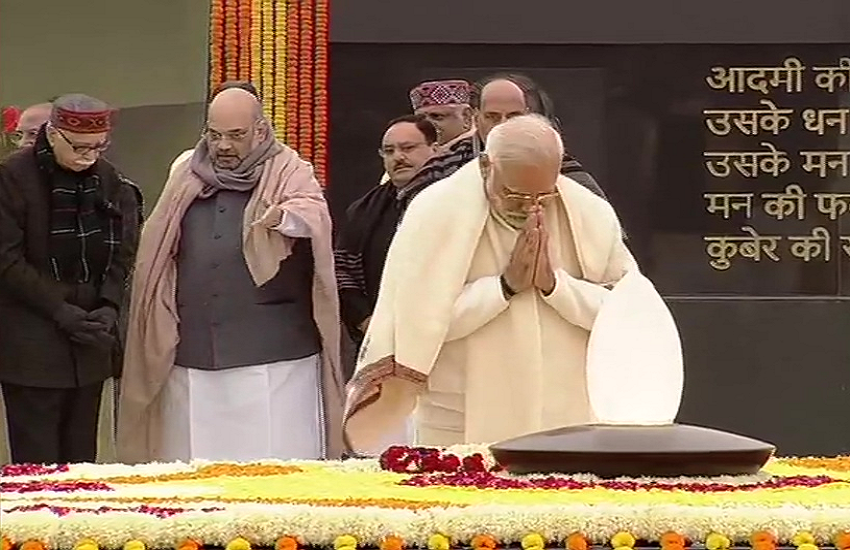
(152, 336)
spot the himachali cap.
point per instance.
(81, 122)
(440, 92)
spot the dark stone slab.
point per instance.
(634, 451)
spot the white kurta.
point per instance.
(510, 368)
(244, 413)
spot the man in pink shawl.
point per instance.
(233, 340)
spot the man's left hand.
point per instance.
(271, 218)
(544, 274)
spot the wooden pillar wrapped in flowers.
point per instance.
(282, 47)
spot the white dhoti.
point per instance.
(244, 413)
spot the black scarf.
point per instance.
(85, 229)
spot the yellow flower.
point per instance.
(438, 542)
(86, 544)
(807, 546)
(238, 544)
(134, 545)
(716, 541)
(533, 541)
(623, 540)
(345, 542)
(803, 537)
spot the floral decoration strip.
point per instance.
(282, 46)
(489, 480)
(355, 504)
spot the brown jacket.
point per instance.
(33, 350)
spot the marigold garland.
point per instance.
(293, 42)
(320, 94)
(238, 544)
(282, 46)
(134, 545)
(269, 34)
(6, 544)
(282, 58)
(842, 541)
(305, 78)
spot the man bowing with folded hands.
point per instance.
(490, 289)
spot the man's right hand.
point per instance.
(519, 275)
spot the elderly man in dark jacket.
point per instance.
(69, 226)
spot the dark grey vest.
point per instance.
(225, 319)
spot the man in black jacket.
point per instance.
(69, 226)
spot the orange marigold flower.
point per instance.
(842, 541)
(392, 543)
(286, 543)
(7, 544)
(672, 539)
(763, 540)
(33, 545)
(188, 544)
(483, 542)
(576, 541)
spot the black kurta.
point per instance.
(36, 357)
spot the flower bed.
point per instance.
(423, 498)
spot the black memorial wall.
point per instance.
(729, 165)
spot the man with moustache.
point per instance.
(234, 320)
(32, 118)
(445, 103)
(408, 142)
(69, 225)
(490, 289)
(495, 100)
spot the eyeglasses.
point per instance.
(84, 149)
(404, 149)
(19, 136)
(235, 136)
(509, 194)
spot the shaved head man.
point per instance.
(32, 118)
(230, 84)
(235, 126)
(235, 307)
(499, 268)
(500, 100)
